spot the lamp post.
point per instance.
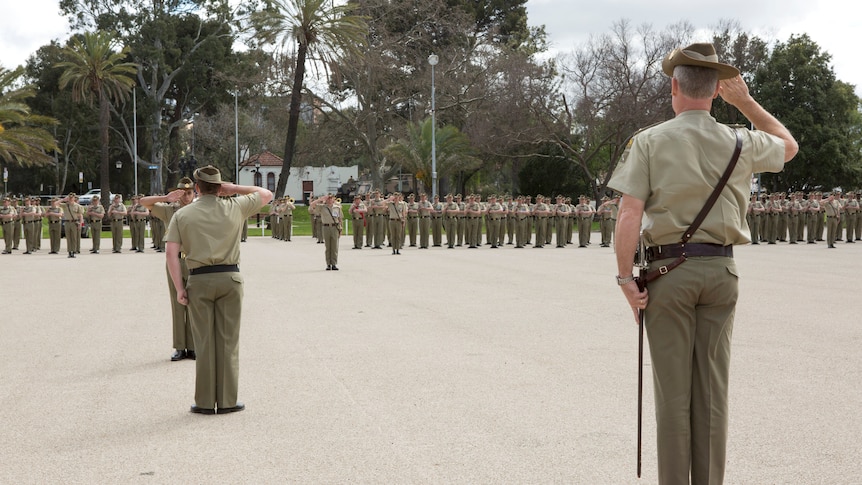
(236, 130)
(433, 59)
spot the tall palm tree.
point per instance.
(317, 27)
(98, 74)
(454, 152)
(23, 141)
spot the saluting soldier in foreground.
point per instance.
(689, 308)
(208, 231)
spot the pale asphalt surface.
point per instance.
(436, 366)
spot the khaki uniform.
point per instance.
(208, 231)
(832, 209)
(95, 214)
(330, 230)
(689, 317)
(412, 227)
(55, 222)
(180, 325)
(437, 224)
(73, 215)
(425, 210)
(138, 219)
(29, 216)
(450, 217)
(397, 216)
(357, 216)
(116, 213)
(7, 220)
(584, 213)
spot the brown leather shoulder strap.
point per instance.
(716, 191)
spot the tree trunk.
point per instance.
(293, 119)
(104, 150)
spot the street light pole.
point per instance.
(236, 130)
(433, 59)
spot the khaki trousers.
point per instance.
(117, 234)
(54, 235)
(689, 323)
(215, 311)
(330, 238)
(181, 327)
(73, 237)
(96, 233)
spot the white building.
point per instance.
(264, 169)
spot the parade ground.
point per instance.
(438, 366)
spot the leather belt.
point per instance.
(688, 250)
(216, 268)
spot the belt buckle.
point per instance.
(663, 270)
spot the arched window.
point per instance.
(270, 181)
(258, 180)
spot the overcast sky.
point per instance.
(834, 25)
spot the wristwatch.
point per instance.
(624, 281)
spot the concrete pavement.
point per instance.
(436, 366)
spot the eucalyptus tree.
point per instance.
(98, 75)
(183, 48)
(316, 28)
(613, 85)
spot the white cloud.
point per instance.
(829, 23)
(27, 25)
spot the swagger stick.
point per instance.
(641, 281)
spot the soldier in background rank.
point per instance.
(412, 228)
(27, 215)
(794, 213)
(425, 210)
(54, 213)
(18, 227)
(851, 213)
(495, 213)
(461, 229)
(437, 222)
(95, 213)
(40, 213)
(813, 210)
(138, 216)
(584, 213)
(73, 214)
(116, 213)
(397, 216)
(832, 209)
(357, 213)
(450, 218)
(7, 220)
(286, 215)
(561, 220)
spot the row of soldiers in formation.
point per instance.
(794, 218)
(506, 220)
(25, 218)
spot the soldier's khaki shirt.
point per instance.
(119, 211)
(209, 229)
(165, 211)
(673, 167)
(72, 212)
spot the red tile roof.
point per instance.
(267, 159)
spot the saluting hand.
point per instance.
(734, 90)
